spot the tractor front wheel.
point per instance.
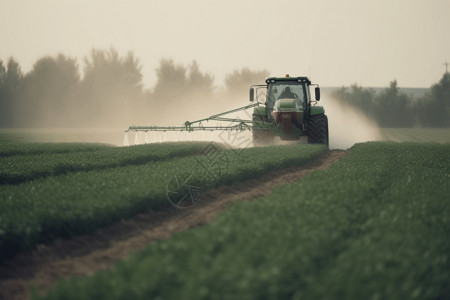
(318, 130)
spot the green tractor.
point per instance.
(288, 111)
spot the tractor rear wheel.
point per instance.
(318, 130)
(261, 137)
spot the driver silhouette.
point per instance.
(287, 93)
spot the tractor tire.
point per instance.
(261, 137)
(318, 130)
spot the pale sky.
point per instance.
(334, 42)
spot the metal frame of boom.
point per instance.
(198, 125)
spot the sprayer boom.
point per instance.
(198, 124)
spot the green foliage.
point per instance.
(52, 93)
(436, 104)
(171, 80)
(8, 149)
(394, 109)
(391, 108)
(41, 210)
(357, 96)
(373, 226)
(109, 77)
(180, 89)
(55, 159)
(5, 103)
(110, 91)
(13, 75)
(423, 135)
(199, 84)
(10, 80)
(238, 82)
(177, 84)
(47, 91)
(111, 86)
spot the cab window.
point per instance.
(285, 89)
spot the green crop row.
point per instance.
(60, 206)
(19, 168)
(435, 135)
(373, 226)
(12, 149)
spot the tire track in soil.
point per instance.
(86, 254)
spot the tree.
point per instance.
(394, 108)
(5, 110)
(199, 84)
(108, 69)
(389, 108)
(47, 92)
(359, 97)
(110, 87)
(434, 108)
(180, 91)
(238, 82)
(171, 83)
(10, 80)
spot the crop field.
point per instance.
(373, 226)
(112, 136)
(434, 135)
(48, 196)
(15, 149)
(34, 161)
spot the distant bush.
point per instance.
(391, 108)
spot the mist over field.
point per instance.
(349, 125)
(108, 96)
(101, 66)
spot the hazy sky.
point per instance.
(335, 42)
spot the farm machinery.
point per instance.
(281, 107)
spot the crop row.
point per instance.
(12, 148)
(373, 226)
(435, 135)
(60, 206)
(19, 168)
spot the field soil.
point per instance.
(84, 255)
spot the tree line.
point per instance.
(109, 91)
(391, 108)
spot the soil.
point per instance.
(84, 255)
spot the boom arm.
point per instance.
(198, 125)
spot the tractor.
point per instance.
(288, 111)
(282, 107)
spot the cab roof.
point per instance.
(288, 78)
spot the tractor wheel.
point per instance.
(261, 137)
(318, 130)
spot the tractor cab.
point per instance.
(288, 88)
(284, 93)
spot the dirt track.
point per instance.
(83, 255)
